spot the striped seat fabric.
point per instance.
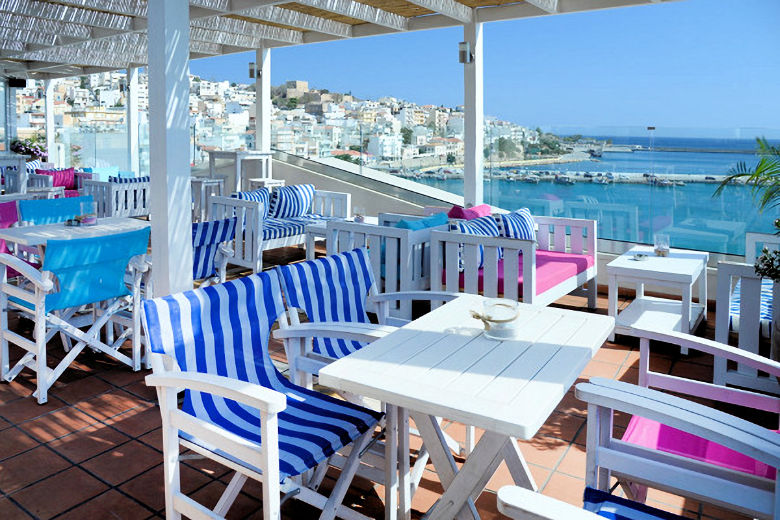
(260, 195)
(330, 289)
(289, 227)
(223, 330)
(206, 239)
(765, 311)
(291, 201)
(518, 224)
(616, 508)
(128, 180)
(33, 165)
(482, 226)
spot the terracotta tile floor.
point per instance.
(93, 451)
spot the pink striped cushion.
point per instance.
(552, 268)
(657, 436)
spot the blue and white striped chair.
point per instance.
(335, 293)
(211, 249)
(234, 397)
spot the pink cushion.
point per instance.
(64, 178)
(657, 436)
(469, 213)
(9, 215)
(552, 268)
(72, 193)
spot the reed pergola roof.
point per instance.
(58, 38)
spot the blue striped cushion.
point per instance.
(616, 508)
(262, 195)
(483, 226)
(33, 165)
(289, 227)
(128, 180)
(518, 224)
(765, 307)
(223, 330)
(206, 239)
(291, 201)
(333, 288)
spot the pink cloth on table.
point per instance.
(72, 193)
(552, 268)
(9, 215)
(654, 435)
(65, 178)
(469, 213)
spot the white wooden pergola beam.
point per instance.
(449, 8)
(359, 11)
(300, 20)
(63, 13)
(125, 7)
(30, 23)
(238, 29)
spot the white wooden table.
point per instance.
(265, 182)
(442, 365)
(37, 236)
(319, 231)
(263, 160)
(680, 270)
(202, 189)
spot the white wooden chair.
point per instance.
(261, 234)
(524, 504)
(675, 444)
(400, 258)
(744, 307)
(564, 243)
(120, 196)
(238, 410)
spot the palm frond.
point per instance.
(764, 177)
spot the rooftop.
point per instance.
(94, 450)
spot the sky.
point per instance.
(708, 68)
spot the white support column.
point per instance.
(263, 100)
(168, 55)
(131, 97)
(48, 91)
(473, 118)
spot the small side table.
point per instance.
(202, 189)
(264, 182)
(680, 270)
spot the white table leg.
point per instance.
(472, 478)
(612, 300)
(703, 290)
(443, 462)
(310, 245)
(238, 174)
(640, 290)
(405, 484)
(518, 468)
(391, 462)
(685, 325)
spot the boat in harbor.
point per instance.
(531, 179)
(563, 179)
(600, 180)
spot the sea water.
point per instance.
(691, 214)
